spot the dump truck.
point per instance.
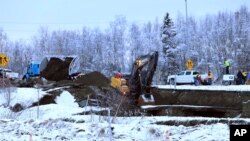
(53, 68)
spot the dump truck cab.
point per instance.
(35, 68)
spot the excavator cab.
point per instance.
(119, 82)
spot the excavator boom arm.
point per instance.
(140, 79)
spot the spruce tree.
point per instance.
(169, 46)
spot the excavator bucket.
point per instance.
(57, 68)
(146, 99)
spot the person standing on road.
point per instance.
(240, 77)
(244, 73)
(197, 79)
(209, 78)
(248, 78)
(226, 65)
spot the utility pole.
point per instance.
(187, 55)
(186, 10)
(186, 23)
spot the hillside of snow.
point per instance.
(65, 120)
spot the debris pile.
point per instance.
(85, 85)
(88, 85)
(57, 69)
(92, 89)
(94, 79)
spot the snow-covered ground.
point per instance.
(61, 121)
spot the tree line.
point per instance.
(206, 41)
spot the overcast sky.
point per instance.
(22, 18)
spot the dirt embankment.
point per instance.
(94, 79)
(83, 86)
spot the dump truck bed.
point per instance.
(57, 69)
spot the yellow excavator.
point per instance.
(137, 85)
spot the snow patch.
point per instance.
(66, 99)
(23, 96)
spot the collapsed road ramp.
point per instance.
(57, 68)
(193, 101)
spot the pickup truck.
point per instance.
(8, 73)
(184, 77)
(228, 79)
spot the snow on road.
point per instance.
(207, 87)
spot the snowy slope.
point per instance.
(24, 96)
(61, 122)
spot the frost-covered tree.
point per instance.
(181, 41)
(241, 38)
(42, 41)
(3, 41)
(135, 38)
(116, 43)
(168, 45)
(98, 50)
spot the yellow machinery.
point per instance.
(137, 86)
(118, 82)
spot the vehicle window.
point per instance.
(195, 73)
(188, 73)
(181, 73)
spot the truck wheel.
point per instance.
(24, 78)
(172, 81)
(226, 83)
